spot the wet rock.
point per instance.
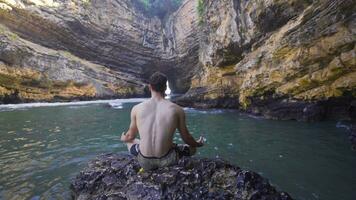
(352, 136)
(291, 109)
(117, 176)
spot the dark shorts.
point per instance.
(181, 149)
(170, 158)
(134, 150)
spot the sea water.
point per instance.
(44, 145)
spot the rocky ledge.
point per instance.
(118, 176)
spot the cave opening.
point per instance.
(168, 91)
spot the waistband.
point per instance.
(153, 157)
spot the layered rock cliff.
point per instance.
(111, 47)
(63, 42)
(282, 59)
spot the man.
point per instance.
(156, 120)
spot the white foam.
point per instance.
(344, 125)
(114, 103)
(205, 111)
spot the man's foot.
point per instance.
(185, 150)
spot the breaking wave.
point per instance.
(115, 103)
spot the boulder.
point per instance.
(119, 176)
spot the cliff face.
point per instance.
(109, 46)
(282, 59)
(70, 41)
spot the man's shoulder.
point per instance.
(138, 106)
(175, 107)
(143, 105)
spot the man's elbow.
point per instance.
(131, 138)
(128, 137)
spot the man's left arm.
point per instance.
(130, 135)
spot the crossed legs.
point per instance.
(129, 144)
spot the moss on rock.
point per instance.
(30, 85)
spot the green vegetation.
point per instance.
(22, 82)
(86, 3)
(146, 4)
(4, 31)
(7, 80)
(200, 11)
(158, 8)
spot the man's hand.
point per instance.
(123, 137)
(200, 141)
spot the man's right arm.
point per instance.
(183, 130)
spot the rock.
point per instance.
(352, 136)
(281, 59)
(35, 73)
(109, 40)
(117, 176)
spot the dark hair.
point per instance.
(158, 82)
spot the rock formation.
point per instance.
(111, 46)
(281, 59)
(115, 176)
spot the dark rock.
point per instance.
(118, 176)
(352, 136)
(289, 109)
(199, 98)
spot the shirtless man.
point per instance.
(156, 120)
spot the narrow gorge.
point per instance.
(281, 59)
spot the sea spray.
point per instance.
(115, 103)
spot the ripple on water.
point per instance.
(27, 129)
(13, 155)
(343, 124)
(57, 191)
(20, 139)
(22, 191)
(39, 143)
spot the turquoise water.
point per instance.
(42, 148)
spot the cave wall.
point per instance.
(110, 35)
(279, 59)
(286, 59)
(181, 40)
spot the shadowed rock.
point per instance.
(117, 176)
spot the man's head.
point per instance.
(158, 82)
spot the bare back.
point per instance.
(156, 123)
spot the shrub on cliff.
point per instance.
(158, 8)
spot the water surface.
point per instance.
(42, 148)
